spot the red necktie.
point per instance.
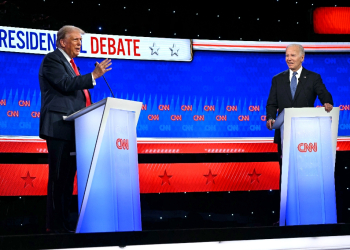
(86, 92)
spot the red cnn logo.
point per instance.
(186, 107)
(122, 144)
(35, 114)
(254, 108)
(304, 147)
(209, 108)
(24, 103)
(231, 108)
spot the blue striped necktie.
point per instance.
(293, 84)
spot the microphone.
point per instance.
(307, 103)
(107, 83)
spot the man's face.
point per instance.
(294, 58)
(71, 44)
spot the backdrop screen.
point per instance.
(218, 94)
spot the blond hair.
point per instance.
(65, 31)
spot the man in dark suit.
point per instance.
(296, 87)
(63, 92)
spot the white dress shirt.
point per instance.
(297, 75)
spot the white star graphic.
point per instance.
(154, 49)
(174, 50)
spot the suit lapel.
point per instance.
(66, 63)
(302, 80)
(70, 68)
(286, 85)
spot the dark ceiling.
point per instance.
(270, 20)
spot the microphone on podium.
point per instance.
(107, 83)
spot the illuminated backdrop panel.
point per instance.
(218, 94)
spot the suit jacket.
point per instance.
(61, 95)
(310, 86)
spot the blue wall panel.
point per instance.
(240, 80)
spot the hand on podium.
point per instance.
(328, 107)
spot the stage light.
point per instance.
(174, 34)
(297, 22)
(273, 212)
(72, 1)
(124, 8)
(296, 2)
(149, 9)
(174, 11)
(197, 14)
(279, 20)
(209, 215)
(150, 32)
(99, 4)
(198, 35)
(126, 29)
(219, 37)
(232, 214)
(252, 212)
(218, 15)
(257, 19)
(346, 167)
(99, 28)
(331, 20)
(161, 218)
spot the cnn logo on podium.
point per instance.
(122, 144)
(304, 147)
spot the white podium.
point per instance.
(107, 166)
(309, 140)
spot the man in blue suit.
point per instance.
(63, 92)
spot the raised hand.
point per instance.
(101, 68)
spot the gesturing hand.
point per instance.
(101, 68)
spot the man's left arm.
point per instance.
(323, 94)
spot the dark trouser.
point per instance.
(62, 168)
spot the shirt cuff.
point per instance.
(93, 80)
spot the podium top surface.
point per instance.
(85, 110)
(112, 103)
(303, 112)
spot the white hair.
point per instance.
(301, 49)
